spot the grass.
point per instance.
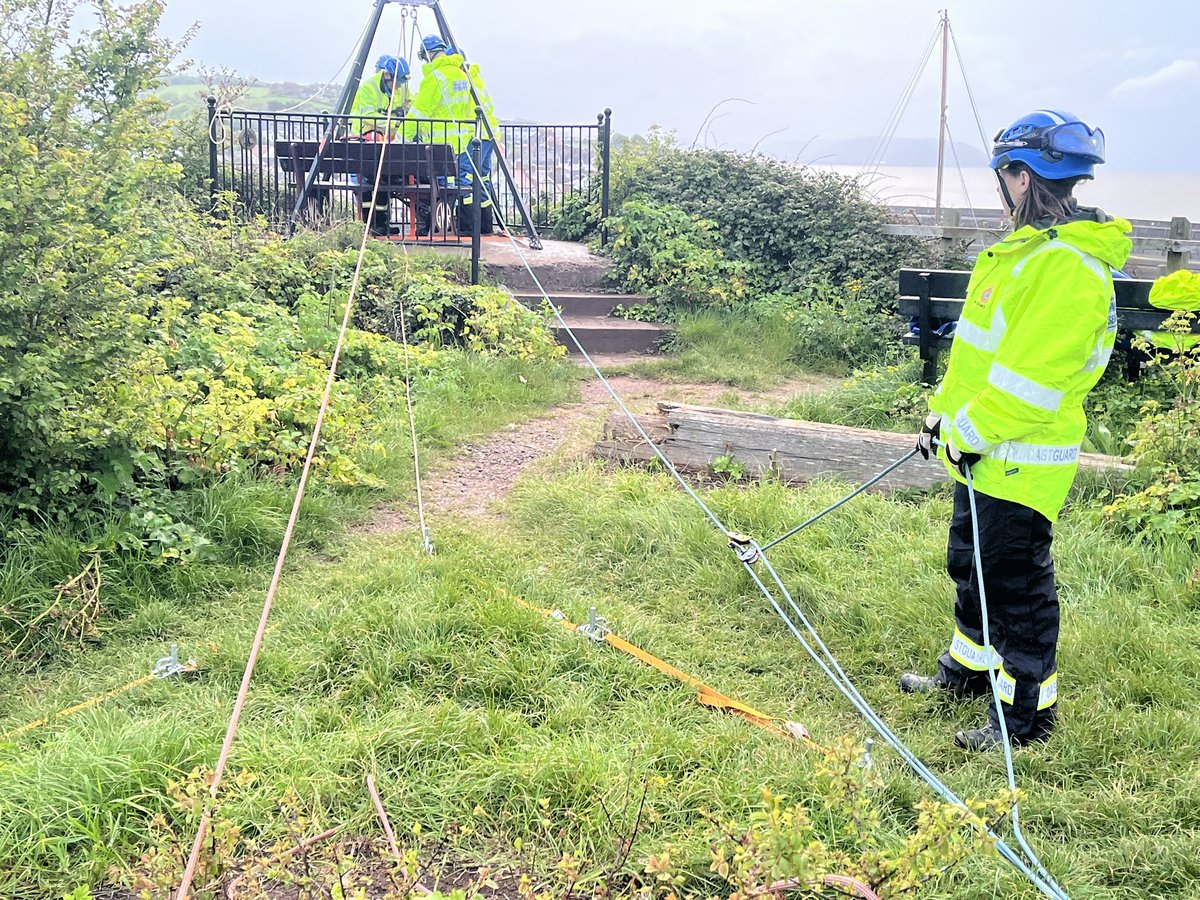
(502, 734)
(476, 712)
(244, 518)
(724, 349)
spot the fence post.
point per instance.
(606, 154)
(476, 195)
(951, 218)
(212, 154)
(1181, 230)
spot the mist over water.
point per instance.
(1129, 194)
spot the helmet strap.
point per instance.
(1011, 209)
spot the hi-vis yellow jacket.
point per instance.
(1035, 335)
(444, 94)
(1180, 290)
(371, 102)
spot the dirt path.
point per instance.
(484, 473)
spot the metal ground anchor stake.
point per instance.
(170, 666)
(596, 628)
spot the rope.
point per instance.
(884, 140)
(341, 68)
(243, 692)
(854, 493)
(79, 707)
(408, 400)
(961, 177)
(707, 696)
(987, 642)
(825, 660)
(987, 147)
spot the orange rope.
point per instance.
(189, 873)
(79, 707)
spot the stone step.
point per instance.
(560, 266)
(582, 304)
(603, 334)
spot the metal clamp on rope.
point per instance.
(596, 628)
(797, 731)
(744, 546)
(170, 666)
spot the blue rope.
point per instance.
(832, 669)
(823, 513)
(992, 677)
(842, 681)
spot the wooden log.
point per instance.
(692, 437)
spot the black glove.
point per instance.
(962, 461)
(929, 433)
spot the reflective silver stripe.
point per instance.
(985, 339)
(1037, 454)
(979, 338)
(1099, 268)
(1007, 685)
(972, 655)
(971, 438)
(1024, 388)
(1047, 694)
(1098, 361)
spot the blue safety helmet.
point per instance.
(396, 67)
(434, 43)
(1054, 144)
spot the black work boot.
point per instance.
(912, 683)
(979, 740)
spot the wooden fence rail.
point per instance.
(1151, 254)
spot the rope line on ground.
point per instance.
(841, 681)
(167, 667)
(260, 634)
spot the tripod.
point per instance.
(347, 99)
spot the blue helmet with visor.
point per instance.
(1054, 144)
(434, 43)
(397, 67)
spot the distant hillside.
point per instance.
(858, 152)
(185, 94)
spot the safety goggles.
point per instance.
(1056, 141)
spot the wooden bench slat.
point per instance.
(929, 294)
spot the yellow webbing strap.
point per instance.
(78, 707)
(707, 696)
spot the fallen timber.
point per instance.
(694, 437)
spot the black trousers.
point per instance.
(1023, 613)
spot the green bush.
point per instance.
(662, 251)
(791, 227)
(145, 348)
(577, 219)
(1166, 448)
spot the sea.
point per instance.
(1131, 195)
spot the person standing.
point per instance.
(445, 96)
(385, 95)
(1035, 335)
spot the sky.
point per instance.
(823, 71)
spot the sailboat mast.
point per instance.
(942, 129)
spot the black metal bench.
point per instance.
(410, 171)
(936, 295)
